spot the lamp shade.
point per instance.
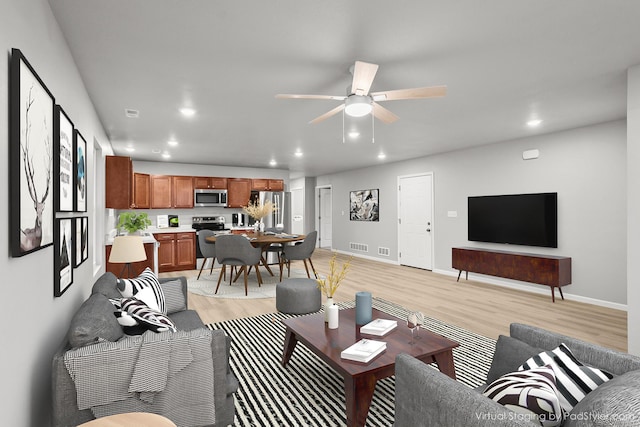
(126, 249)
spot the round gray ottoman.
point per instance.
(298, 296)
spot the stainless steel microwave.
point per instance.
(209, 197)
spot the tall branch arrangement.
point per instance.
(331, 283)
(257, 210)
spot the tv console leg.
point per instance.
(560, 289)
(553, 294)
(459, 273)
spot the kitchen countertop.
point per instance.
(146, 238)
(181, 229)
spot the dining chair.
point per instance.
(300, 252)
(208, 249)
(236, 250)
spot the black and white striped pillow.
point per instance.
(152, 319)
(147, 279)
(531, 393)
(573, 379)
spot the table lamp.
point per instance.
(127, 249)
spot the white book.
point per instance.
(364, 350)
(379, 327)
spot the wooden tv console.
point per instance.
(553, 271)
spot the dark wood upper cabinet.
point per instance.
(141, 191)
(262, 184)
(182, 192)
(209, 182)
(118, 182)
(239, 192)
(161, 191)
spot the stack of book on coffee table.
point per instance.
(364, 350)
(379, 327)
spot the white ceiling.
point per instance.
(504, 62)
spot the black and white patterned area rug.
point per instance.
(310, 393)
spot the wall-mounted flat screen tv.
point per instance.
(518, 219)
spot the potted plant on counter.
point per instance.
(133, 222)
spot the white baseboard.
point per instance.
(372, 258)
(535, 290)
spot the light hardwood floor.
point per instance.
(482, 308)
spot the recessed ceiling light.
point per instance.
(273, 162)
(188, 112)
(533, 123)
(354, 134)
(130, 149)
(382, 156)
(156, 151)
(166, 155)
(298, 153)
(172, 142)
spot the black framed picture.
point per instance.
(63, 257)
(363, 205)
(81, 233)
(31, 163)
(80, 172)
(64, 160)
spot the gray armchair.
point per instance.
(236, 250)
(426, 397)
(107, 364)
(300, 252)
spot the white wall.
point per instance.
(586, 166)
(34, 322)
(633, 209)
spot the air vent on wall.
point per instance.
(359, 247)
(383, 251)
(131, 113)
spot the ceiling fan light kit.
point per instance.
(358, 105)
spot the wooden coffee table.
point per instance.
(360, 378)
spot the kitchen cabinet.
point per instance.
(171, 191)
(238, 192)
(262, 184)
(209, 182)
(161, 191)
(177, 251)
(137, 267)
(182, 187)
(118, 182)
(141, 191)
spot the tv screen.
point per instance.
(518, 219)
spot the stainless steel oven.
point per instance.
(209, 197)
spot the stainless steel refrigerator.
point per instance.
(280, 219)
(281, 216)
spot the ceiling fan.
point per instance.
(359, 102)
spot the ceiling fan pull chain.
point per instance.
(373, 130)
(343, 137)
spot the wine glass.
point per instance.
(412, 323)
(420, 320)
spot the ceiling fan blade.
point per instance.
(293, 96)
(381, 113)
(363, 74)
(415, 93)
(327, 114)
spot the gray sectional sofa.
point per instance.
(167, 371)
(426, 397)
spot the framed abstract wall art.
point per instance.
(63, 256)
(31, 163)
(64, 160)
(81, 233)
(363, 205)
(80, 172)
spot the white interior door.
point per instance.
(415, 224)
(297, 211)
(325, 218)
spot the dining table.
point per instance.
(263, 240)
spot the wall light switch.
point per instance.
(452, 214)
(342, 213)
